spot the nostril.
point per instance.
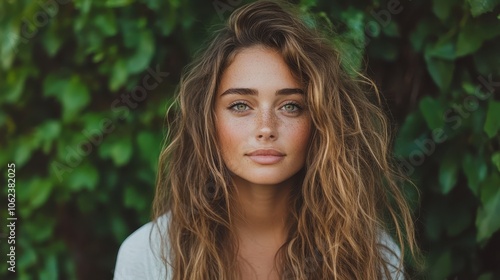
(264, 136)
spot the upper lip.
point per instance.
(265, 152)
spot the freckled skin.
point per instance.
(245, 123)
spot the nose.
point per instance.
(267, 124)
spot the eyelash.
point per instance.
(233, 105)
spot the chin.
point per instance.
(267, 178)
(265, 182)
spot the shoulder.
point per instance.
(392, 256)
(139, 256)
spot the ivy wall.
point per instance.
(84, 87)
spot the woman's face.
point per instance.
(262, 123)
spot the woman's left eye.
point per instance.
(292, 107)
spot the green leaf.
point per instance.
(27, 258)
(50, 271)
(46, 133)
(492, 123)
(83, 176)
(443, 8)
(52, 41)
(40, 228)
(119, 149)
(444, 48)
(149, 146)
(9, 46)
(479, 7)
(474, 33)
(106, 23)
(118, 228)
(174, 3)
(153, 4)
(475, 169)
(307, 4)
(75, 98)
(424, 29)
(442, 266)
(448, 174)
(410, 130)
(351, 43)
(23, 150)
(73, 94)
(117, 3)
(134, 199)
(34, 194)
(53, 85)
(487, 220)
(121, 152)
(489, 187)
(495, 158)
(84, 6)
(131, 30)
(168, 23)
(40, 190)
(143, 53)
(354, 19)
(441, 71)
(392, 30)
(21, 154)
(14, 86)
(432, 111)
(119, 75)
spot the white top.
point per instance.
(139, 255)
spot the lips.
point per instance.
(266, 156)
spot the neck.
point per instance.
(264, 210)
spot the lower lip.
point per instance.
(266, 159)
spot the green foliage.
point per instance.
(84, 87)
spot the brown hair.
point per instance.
(350, 191)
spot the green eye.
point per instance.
(292, 107)
(239, 107)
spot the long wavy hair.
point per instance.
(349, 190)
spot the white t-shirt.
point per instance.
(139, 255)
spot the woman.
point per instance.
(277, 166)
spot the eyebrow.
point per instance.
(251, 91)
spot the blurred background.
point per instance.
(84, 87)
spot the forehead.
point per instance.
(257, 67)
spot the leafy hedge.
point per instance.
(85, 85)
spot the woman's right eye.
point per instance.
(239, 107)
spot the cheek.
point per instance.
(301, 133)
(229, 133)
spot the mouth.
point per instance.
(266, 156)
